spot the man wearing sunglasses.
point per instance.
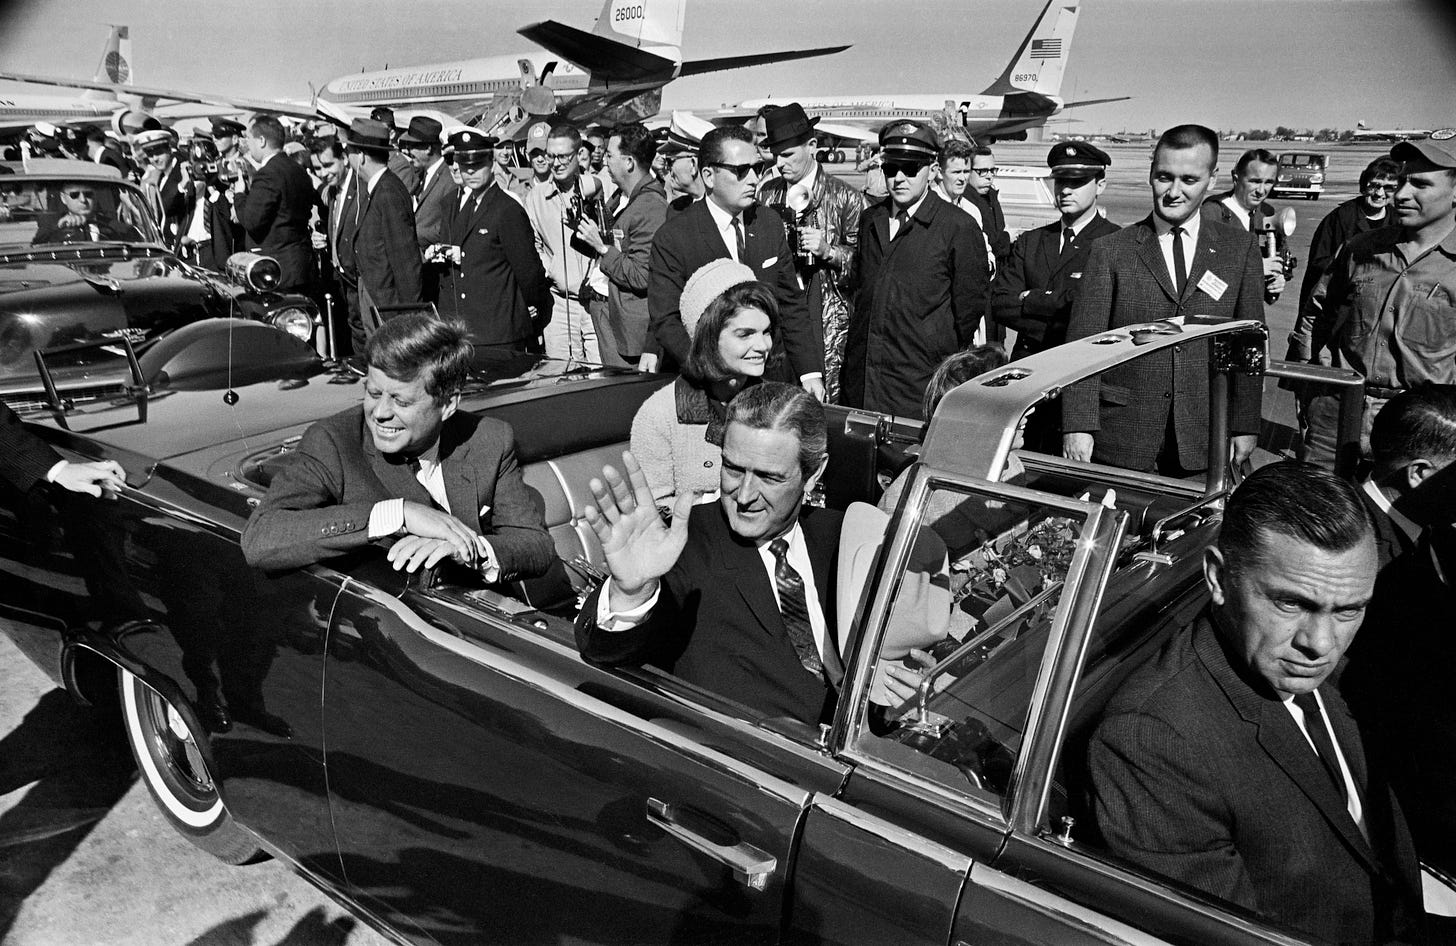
(923, 282)
(728, 222)
(163, 182)
(82, 221)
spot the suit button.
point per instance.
(323, 530)
(462, 295)
(1178, 348)
(1167, 394)
(708, 463)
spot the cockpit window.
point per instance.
(49, 213)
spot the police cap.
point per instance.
(1077, 159)
(909, 141)
(471, 147)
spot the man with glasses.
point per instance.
(555, 208)
(728, 222)
(1387, 308)
(493, 280)
(82, 221)
(986, 201)
(1368, 210)
(923, 282)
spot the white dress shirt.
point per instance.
(1164, 230)
(387, 516)
(1352, 795)
(723, 220)
(1237, 209)
(1378, 497)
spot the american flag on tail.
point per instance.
(1046, 48)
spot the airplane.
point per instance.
(1364, 132)
(1023, 97)
(19, 111)
(612, 74)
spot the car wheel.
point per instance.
(169, 756)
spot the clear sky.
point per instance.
(1231, 64)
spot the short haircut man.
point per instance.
(1253, 156)
(711, 148)
(744, 607)
(1410, 488)
(1151, 414)
(407, 470)
(268, 128)
(1228, 764)
(636, 142)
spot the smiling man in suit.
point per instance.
(408, 469)
(1228, 762)
(735, 596)
(493, 281)
(1152, 414)
(729, 222)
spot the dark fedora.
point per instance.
(385, 114)
(423, 130)
(787, 126)
(368, 133)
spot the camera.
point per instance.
(572, 214)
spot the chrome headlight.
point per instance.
(295, 321)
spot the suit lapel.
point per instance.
(708, 230)
(1152, 256)
(397, 478)
(459, 476)
(1205, 255)
(1050, 249)
(1279, 737)
(743, 566)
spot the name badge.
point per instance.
(1212, 285)
(1074, 276)
(768, 262)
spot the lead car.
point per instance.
(439, 757)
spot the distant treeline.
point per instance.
(1287, 134)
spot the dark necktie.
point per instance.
(1068, 235)
(738, 239)
(1180, 263)
(795, 609)
(902, 220)
(1319, 734)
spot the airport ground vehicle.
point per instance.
(99, 284)
(439, 757)
(1300, 174)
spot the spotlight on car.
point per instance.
(255, 271)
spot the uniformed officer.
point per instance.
(1033, 293)
(923, 281)
(493, 280)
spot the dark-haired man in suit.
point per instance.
(735, 596)
(1230, 764)
(274, 206)
(494, 281)
(407, 470)
(729, 222)
(1152, 414)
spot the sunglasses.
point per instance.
(908, 168)
(1382, 186)
(79, 195)
(739, 171)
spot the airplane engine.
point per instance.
(129, 121)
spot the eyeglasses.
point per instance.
(739, 171)
(560, 158)
(908, 168)
(81, 195)
(1389, 188)
(988, 172)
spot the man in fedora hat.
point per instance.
(274, 205)
(494, 281)
(434, 196)
(399, 164)
(923, 281)
(821, 214)
(378, 241)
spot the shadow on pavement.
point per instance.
(312, 929)
(78, 767)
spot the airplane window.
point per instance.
(960, 652)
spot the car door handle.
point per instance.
(750, 866)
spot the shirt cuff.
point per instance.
(811, 374)
(609, 620)
(489, 566)
(386, 518)
(55, 471)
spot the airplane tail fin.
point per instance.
(1361, 124)
(641, 23)
(1042, 58)
(115, 64)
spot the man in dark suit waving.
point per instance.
(1152, 414)
(1229, 765)
(273, 207)
(735, 596)
(408, 470)
(729, 223)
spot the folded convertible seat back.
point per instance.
(562, 485)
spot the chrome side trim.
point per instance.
(951, 860)
(1060, 909)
